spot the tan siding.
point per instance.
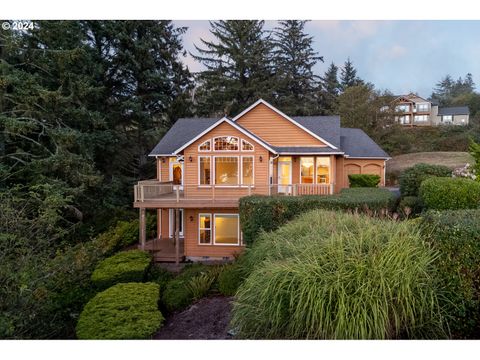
(275, 129)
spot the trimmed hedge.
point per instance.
(124, 311)
(450, 193)
(411, 178)
(267, 213)
(127, 266)
(363, 180)
(455, 234)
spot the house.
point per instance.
(413, 110)
(204, 165)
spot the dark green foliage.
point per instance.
(160, 276)
(410, 206)
(348, 76)
(474, 150)
(230, 279)
(363, 180)
(450, 193)
(267, 213)
(411, 179)
(123, 267)
(456, 236)
(124, 311)
(330, 89)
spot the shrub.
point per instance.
(267, 213)
(127, 266)
(230, 279)
(200, 285)
(410, 205)
(363, 180)
(331, 275)
(456, 236)
(450, 193)
(159, 276)
(124, 311)
(411, 178)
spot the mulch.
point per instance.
(204, 320)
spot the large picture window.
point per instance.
(205, 229)
(323, 170)
(227, 229)
(306, 170)
(226, 143)
(204, 170)
(247, 170)
(226, 170)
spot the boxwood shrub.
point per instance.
(267, 213)
(124, 311)
(450, 193)
(411, 178)
(455, 234)
(127, 266)
(363, 180)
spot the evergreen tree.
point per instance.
(349, 76)
(330, 88)
(238, 67)
(448, 91)
(294, 59)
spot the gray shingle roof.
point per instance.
(456, 110)
(356, 143)
(327, 127)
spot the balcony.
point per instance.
(155, 194)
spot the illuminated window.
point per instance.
(246, 146)
(204, 146)
(205, 229)
(420, 118)
(226, 170)
(422, 107)
(226, 143)
(306, 170)
(323, 170)
(227, 229)
(247, 170)
(204, 176)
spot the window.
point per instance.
(323, 170)
(402, 108)
(205, 229)
(247, 170)
(204, 146)
(227, 229)
(405, 119)
(384, 108)
(306, 170)
(246, 146)
(226, 143)
(421, 118)
(226, 170)
(422, 107)
(447, 118)
(204, 170)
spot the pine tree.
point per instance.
(330, 88)
(238, 67)
(349, 76)
(294, 59)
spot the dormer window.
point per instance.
(206, 146)
(226, 143)
(246, 146)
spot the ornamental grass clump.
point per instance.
(339, 276)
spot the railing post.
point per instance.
(295, 189)
(178, 193)
(142, 194)
(213, 192)
(331, 188)
(142, 229)
(249, 190)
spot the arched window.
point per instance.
(204, 146)
(226, 143)
(246, 146)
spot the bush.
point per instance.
(331, 275)
(363, 180)
(159, 276)
(411, 178)
(450, 193)
(456, 236)
(124, 311)
(200, 285)
(230, 279)
(268, 213)
(127, 266)
(410, 206)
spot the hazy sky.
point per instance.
(401, 56)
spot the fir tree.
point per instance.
(349, 76)
(330, 88)
(238, 67)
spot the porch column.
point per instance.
(142, 229)
(177, 236)
(159, 224)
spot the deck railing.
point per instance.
(152, 190)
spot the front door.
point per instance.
(285, 175)
(176, 173)
(171, 216)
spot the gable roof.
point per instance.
(357, 144)
(327, 126)
(261, 101)
(455, 110)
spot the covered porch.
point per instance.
(164, 249)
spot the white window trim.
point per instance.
(242, 141)
(199, 228)
(314, 169)
(236, 137)
(170, 223)
(253, 170)
(210, 140)
(211, 171)
(215, 229)
(170, 171)
(329, 170)
(238, 171)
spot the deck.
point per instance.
(163, 250)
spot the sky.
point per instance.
(401, 56)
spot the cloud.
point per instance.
(396, 51)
